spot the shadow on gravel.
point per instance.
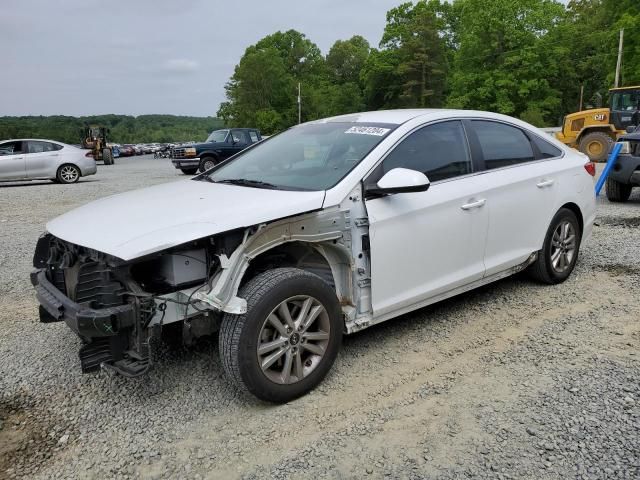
(627, 222)
(25, 439)
(40, 183)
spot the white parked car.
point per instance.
(36, 159)
(328, 228)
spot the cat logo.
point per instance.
(600, 117)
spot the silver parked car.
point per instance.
(35, 159)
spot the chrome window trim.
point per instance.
(480, 172)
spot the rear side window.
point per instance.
(546, 149)
(254, 136)
(10, 148)
(39, 147)
(439, 151)
(502, 145)
(239, 136)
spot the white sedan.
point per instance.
(328, 228)
(35, 159)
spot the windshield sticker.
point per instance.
(377, 131)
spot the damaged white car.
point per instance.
(323, 230)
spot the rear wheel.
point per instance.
(559, 253)
(207, 163)
(68, 174)
(107, 156)
(596, 146)
(289, 338)
(189, 171)
(618, 192)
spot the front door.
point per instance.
(41, 158)
(427, 243)
(12, 163)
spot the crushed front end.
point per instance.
(113, 305)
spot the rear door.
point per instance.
(522, 188)
(12, 162)
(42, 159)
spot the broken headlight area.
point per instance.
(117, 307)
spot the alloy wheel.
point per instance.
(293, 339)
(69, 174)
(563, 246)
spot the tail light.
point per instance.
(590, 167)
(89, 154)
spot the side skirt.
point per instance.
(353, 327)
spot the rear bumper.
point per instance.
(87, 322)
(626, 170)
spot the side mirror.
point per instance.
(400, 180)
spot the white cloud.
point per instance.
(181, 65)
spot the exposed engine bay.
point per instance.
(137, 295)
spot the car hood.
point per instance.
(136, 223)
(635, 136)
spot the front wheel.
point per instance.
(559, 253)
(289, 338)
(68, 174)
(596, 146)
(189, 171)
(618, 192)
(107, 156)
(207, 163)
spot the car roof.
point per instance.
(400, 116)
(32, 140)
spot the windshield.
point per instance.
(308, 157)
(217, 136)
(626, 101)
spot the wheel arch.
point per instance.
(311, 242)
(578, 213)
(608, 129)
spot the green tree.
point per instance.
(499, 63)
(410, 68)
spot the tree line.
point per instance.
(525, 58)
(122, 128)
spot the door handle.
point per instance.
(476, 204)
(545, 183)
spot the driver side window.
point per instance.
(440, 151)
(11, 148)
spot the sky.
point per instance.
(87, 57)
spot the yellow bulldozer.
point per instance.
(593, 131)
(94, 138)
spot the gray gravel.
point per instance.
(514, 380)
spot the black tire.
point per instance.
(618, 192)
(596, 146)
(65, 175)
(189, 171)
(207, 163)
(107, 156)
(542, 269)
(239, 334)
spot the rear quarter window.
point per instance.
(546, 149)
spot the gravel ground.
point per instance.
(514, 380)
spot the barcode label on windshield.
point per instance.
(377, 131)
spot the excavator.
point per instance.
(594, 131)
(94, 138)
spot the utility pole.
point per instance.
(619, 64)
(581, 96)
(299, 106)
